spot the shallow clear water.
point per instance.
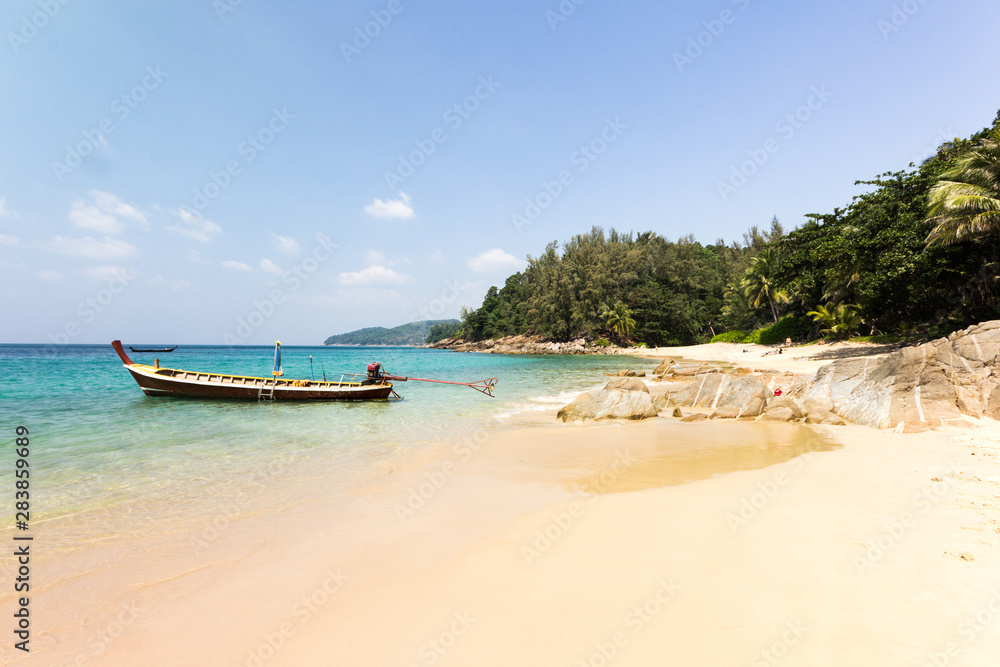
(99, 443)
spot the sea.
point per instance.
(103, 454)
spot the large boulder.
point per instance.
(627, 384)
(664, 367)
(917, 388)
(782, 408)
(747, 394)
(609, 404)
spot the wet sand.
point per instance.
(542, 543)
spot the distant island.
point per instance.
(414, 333)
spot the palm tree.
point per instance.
(840, 320)
(965, 202)
(758, 282)
(618, 318)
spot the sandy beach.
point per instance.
(539, 543)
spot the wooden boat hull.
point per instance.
(175, 383)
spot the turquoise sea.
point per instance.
(100, 446)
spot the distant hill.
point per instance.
(414, 333)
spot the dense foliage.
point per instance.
(414, 333)
(443, 330)
(617, 286)
(866, 268)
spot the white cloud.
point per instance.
(375, 257)
(435, 256)
(92, 248)
(90, 217)
(104, 213)
(374, 275)
(110, 272)
(270, 267)
(494, 261)
(193, 225)
(195, 256)
(391, 209)
(285, 243)
(49, 275)
(6, 239)
(12, 265)
(109, 203)
(180, 284)
(6, 211)
(238, 266)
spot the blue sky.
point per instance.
(240, 171)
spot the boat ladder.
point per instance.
(266, 392)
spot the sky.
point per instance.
(237, 172)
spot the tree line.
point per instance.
(918, 253)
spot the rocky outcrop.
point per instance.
(782, 408)
(726, 395)
(609, 404)
(664, 367)
(917, 388)
(627, 384)
(911, 389)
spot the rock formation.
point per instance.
(921, 387)
(609, 404)
(912, 389)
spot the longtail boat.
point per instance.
(172, 382)
(157, 381)
(152, 349)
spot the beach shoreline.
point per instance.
(536, 542)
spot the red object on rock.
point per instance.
(777, 392)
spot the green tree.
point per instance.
(618, 318)
(965, 203)
(759, 282)
(839, 321)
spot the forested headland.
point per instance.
(917, 255)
